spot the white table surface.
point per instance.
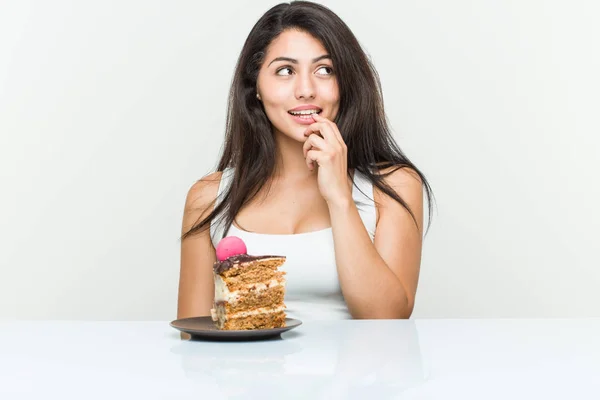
(414, 359)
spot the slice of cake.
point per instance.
(249, 290)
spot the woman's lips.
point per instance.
(304, 119)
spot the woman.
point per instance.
(310, 171)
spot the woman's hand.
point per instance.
(326, 150)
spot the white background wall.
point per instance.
(110, 110)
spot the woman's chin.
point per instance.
(295, 135)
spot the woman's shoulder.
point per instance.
(396, 174)
(405, 182)
(204, 191)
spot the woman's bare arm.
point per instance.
(379, 279)
(196, 287)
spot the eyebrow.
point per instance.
(294, 61)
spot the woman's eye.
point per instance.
(329, 68)
(329, 71)
(283, 69)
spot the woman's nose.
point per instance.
(305, 88)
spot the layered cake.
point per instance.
(249, 290)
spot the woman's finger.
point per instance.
(312, 158)
(333, 128)
(313, 141)
(322, 129)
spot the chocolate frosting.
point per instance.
(222, 266)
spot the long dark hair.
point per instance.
(250, 147)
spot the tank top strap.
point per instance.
(362, 193)
(217, 225)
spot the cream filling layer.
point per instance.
(222, 292)
(218, 315)
(262, 310)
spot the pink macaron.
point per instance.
(230, 246)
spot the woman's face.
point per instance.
(297, 71)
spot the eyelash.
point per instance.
(290, 68)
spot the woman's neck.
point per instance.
(291, 164)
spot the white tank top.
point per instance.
(312, 288)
